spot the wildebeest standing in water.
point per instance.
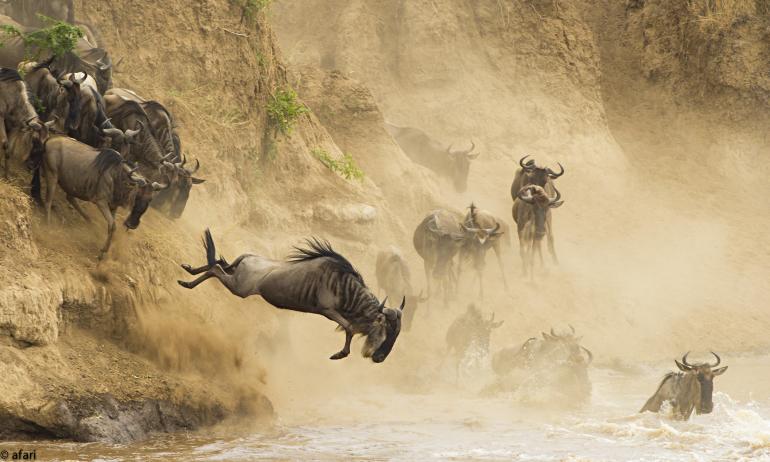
(394, 277)
(98, 176)
(688, 390)
(532, 214)
(422, 149)
(314, 280)
(437, 240)
(483, 231)
(470, 334)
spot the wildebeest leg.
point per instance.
(336, 317)
(109, 215)
(4, 147)
(74, 202)
(427, 275)
(523, 251)
(218, 272)
(496, 248)
(200, 269)
(551, 248)
(51, 181)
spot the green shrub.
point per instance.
(345, 167)
(58, 37)
(283, 109)
(250, 8)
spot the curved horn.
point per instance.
(132, 133)
(467, 229)
(159, 186)
(167, 157)
(719, 360)
(107, 121)
(554, 175)
(467, 153)
(494, 230)
(403, 304)
(197, 166)
(66, 83)
(590, 355)
(112, 132)
(555, 199)
(523, 165)
(684, 360)
(382, 305)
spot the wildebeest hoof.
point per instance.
(339, 355)
(186, 267)
(184, 284)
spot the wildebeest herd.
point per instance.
(115, 148)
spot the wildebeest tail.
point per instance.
(208, 244)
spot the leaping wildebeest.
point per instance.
(688, 390)
(100, 176)
(424, 150)
(394, 277)
(437, 240)
(483, 231)
(532, 214)
(314, 280)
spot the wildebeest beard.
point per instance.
(388, 336)
(706, 392)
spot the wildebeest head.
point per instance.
(72, 85)
(536, 197)
(704, 373)
(117, 139)
(461, 162)
(181, 180)
(569, 344)
(473, 231)
(537, 175)
(142, 192)
(384, 331)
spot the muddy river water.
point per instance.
(457, 424)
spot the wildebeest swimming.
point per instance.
(468, 334)
(315, 280)
(688, 390)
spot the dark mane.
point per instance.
(107, 159)
(321, 249)
(9, 75)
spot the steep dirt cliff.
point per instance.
(657, 113)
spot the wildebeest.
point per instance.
(84, 58)
(437, 240)
(32, 13)
(530, 173)
(688, 390)
(314, 280)
(550, 370)
(16, 112)
(532, 214)
(92, 115)
(102, 177)
(394, 277)
(442, 159)
(534, 350)
(55, 99)
(469, 334)
(157, 149)
(483, 231)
